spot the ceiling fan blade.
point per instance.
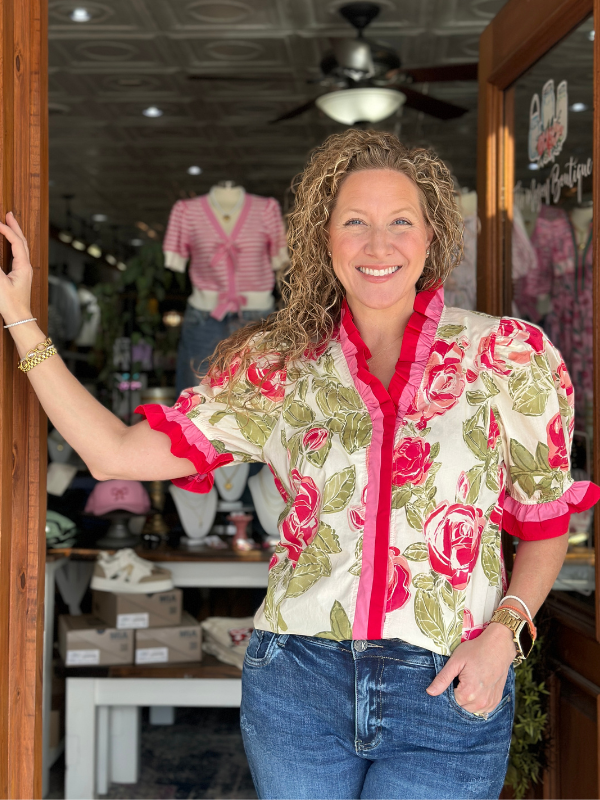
(240, 78)
(295, 112)
(353, 54)
(430, 105)
(443, 72)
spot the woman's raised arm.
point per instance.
(109, 448)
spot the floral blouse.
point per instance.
(395, 499)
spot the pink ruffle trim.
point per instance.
(186, 442)
(547, 520)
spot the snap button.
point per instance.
(360, 645)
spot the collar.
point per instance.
(417, 342)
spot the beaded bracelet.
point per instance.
(39, 353)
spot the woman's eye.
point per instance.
(401, 222)
(353, 222)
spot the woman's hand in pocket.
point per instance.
(481, 666)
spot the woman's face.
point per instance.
(378, 238)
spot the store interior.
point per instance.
(170, 123)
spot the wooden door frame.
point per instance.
(521, 33)
(23, 190)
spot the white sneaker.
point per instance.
(126, 572)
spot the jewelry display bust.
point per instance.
(196, 511)
(268, 503)
(231, 480)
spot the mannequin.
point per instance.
(268, 503)
(231, 481)
(196, 511)
(235, 243)
(460, 288)
(581, 217)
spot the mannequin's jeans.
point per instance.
(325, 719)
(200, 334)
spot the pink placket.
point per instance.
(229, 300)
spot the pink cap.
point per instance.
(109, 496)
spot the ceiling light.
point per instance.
(78, 245)
(94, 251)
(194, 170)
(65, 237)
(136, 242)
(100, 218)
(80, 15)
(152, 234)
(360, 105)
(172, 319)
(121, 266)
(578, 107)
(533, 165)
(152, 111)
(591, 35)
(111, 260)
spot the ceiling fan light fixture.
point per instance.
(369, 104)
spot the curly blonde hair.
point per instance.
(312, 293)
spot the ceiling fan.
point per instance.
(361, 63)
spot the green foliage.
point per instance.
(527, 757)
(144, 283)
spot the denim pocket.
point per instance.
(261, 648)
(507, 699)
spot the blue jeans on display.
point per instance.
(325, 719)
(200, 334)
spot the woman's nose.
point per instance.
(379, 243)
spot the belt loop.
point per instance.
(282, 639)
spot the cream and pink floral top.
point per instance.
(395, 499)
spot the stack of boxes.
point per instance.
(131, 629)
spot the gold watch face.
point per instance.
(525, 639)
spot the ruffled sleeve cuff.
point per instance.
(548, 520)
(186, 442)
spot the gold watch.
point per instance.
(523, 634)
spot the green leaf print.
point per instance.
(255, 428)
(490, 561)
(294, 449)
(530, 396)
(341, 630)
(476, 398)
(302, 388)
(281, 625)
(318, 457)
(489, 384)
(413, 516)
(356, 568)
(476, 440)
(350, 398)
(435, 450)
(521, 457)
(474, 475)
(217, 416)
(400, 496)
(541, 456)
(338, 490)
(416, 552)
(296, 413)
(423, 581)
(195, 412)
(429, 618)
(336, 424)
(357, 431)
(312, 565)
(326, 539)
(328, 399)
(449, 331)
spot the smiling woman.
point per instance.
(403, 436)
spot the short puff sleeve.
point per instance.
(176, 244)
(212, 430)
(535, 409)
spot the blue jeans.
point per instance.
(352, 719)
(200, 334)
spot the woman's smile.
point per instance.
(378, 274)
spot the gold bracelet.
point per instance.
(39, 353)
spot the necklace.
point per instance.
(379, 352)
(230, 475)
(227, 215)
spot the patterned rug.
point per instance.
(200, 756)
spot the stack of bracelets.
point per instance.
(39, 353)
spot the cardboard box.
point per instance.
(131, 611)
(170, 645)
(86, 641)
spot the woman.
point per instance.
(402, 435)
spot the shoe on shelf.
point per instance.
(125, 572)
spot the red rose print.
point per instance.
(398, 580)
(462, 487)
(453, 534)
(222, 378)
(557, 457)
(470, 631)
(315, 438)
(300, 526)
(493, 432)
(280, 487)
(356, 517)
(411, 461)
(270, 382)
(273, 561)
(187, 400)
(442, 384)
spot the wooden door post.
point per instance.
(23, 190)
